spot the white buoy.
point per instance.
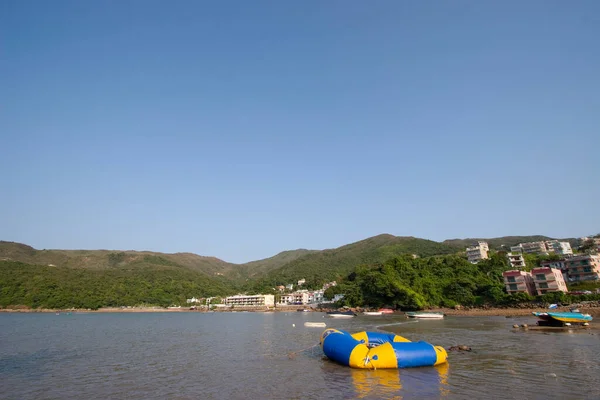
(294, 325)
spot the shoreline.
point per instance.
(471, 312)
(511, 312)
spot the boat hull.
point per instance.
(564, 317)
(424, 315)
(341, 314)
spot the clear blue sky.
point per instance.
(239, 129)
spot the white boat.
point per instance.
(373, 313)
(315, 324)
(341, 314)
(425, 315)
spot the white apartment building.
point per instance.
(477, 252)
(316, 296)
(534, 248)
(250, 300)
(549, 246)
(561, 248)
(515, 258)
(483, 245)
(299, 297)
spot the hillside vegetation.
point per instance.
(404, 272)
(413, 284)
(320, 267)
(108, 259)
(151, 281)
(243, 272)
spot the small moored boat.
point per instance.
(341, 314)
(425, 315)
(373, 313)
(562, 318)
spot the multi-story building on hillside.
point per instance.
(517, 281)
(483, 245)
(477, 252)
(557, 264)
(583, 268)
(561, 248)
(515, 257)
(548, 279)
(534, 248)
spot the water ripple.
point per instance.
(251, 355)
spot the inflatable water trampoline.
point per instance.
(375, 350)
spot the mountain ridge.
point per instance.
(288, 263)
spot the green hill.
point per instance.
(243, 272)
(326, 265)
(151, 280)
(103, 259)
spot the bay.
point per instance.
(245, 355)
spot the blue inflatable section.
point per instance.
(339, 350)
(421, 353)
(380, 338)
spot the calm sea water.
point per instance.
(262, 355)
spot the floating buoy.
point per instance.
(294, 325)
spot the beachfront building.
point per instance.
(256, 300)
(517, 281)
(515, 257)
(477, 252)
(285, 299)
(299, 297)
(548, 279)
(194, 300)
(315, 297)
(583, 268)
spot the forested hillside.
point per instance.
(327, 265)
(412, 284)
(154, 281)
